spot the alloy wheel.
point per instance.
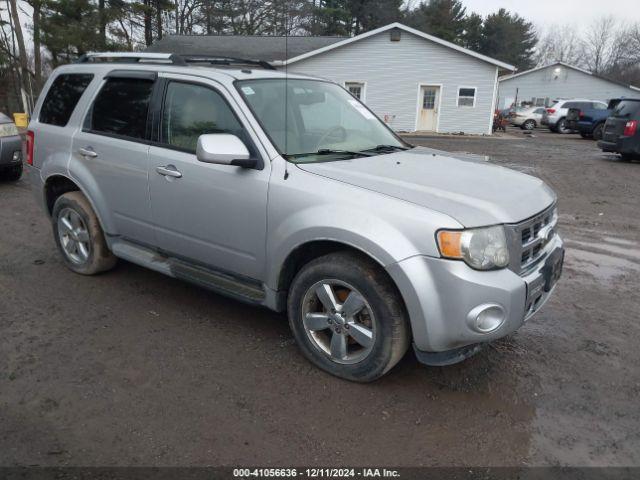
(74, 236)
(339, 321)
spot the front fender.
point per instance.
(306, 207)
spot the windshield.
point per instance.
(313, 120)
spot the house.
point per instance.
(411, 80)
(542, 85)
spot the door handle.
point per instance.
(88, 152)
(168, 171)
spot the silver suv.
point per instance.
(285, 191)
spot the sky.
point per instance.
(544, 13)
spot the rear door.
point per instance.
(210, 214)
(110, 153)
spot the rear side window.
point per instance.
(627, 109)
(62, 98)
(121, 108)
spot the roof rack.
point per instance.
(168, 58)
(217, 60)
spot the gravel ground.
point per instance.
(134, 368)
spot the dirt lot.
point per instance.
(134, 368)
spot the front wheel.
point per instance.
(348, 317)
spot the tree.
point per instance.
(444, 19)
(510, 38)
(560, 44)
(473, 31)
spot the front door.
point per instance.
(428, 108)
(211, 214)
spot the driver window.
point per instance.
(192, 110)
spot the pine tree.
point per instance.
(510, 38)
(445, 19)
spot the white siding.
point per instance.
(393, 72)
(567, 83)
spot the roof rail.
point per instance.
(131, 57)
(168, 58)
(217, 60)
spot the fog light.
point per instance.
(486, 318)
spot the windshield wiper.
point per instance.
(330, 151)
(385, 148)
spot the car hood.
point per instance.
(470, 190)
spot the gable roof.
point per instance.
(572, 67)
(426, 36)
(255, 47)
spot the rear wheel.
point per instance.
(561, 126)
(597, 132)
(529, 125)
(12, 174)
(79, 236)
(347, 317)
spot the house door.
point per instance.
(429, 99)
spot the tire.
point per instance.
(12, 174)
(381, 312)
(79, 237)
(561, 127)
(598, 131)
(585, 135)
(627, 157)
(529, 125)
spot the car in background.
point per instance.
(555, 116)
(590, 123)
(621, 132)
(528, 118)
(10, 150)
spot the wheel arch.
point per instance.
(57, 184)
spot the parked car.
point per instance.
(528, 118)
(555, 116)
(590, 122)
(10, 150)
(285, 191)
(621, 131)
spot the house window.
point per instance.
(356, 89)
(467, 97)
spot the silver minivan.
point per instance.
(287, 192)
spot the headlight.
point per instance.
(8, 130)
(481, 248)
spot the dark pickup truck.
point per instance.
(621, 133)
(590, 122)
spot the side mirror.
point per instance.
(223, 149)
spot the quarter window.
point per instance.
(466, 97)
(121, 108)
(62, 98)
(356, 89)
(193, 110)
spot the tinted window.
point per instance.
(193, 110)
(627, 109)
(62, 98)
(121, 107)
(571, 105)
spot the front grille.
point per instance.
(529, 238)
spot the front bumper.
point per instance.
(8, 147)
(440, 295)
